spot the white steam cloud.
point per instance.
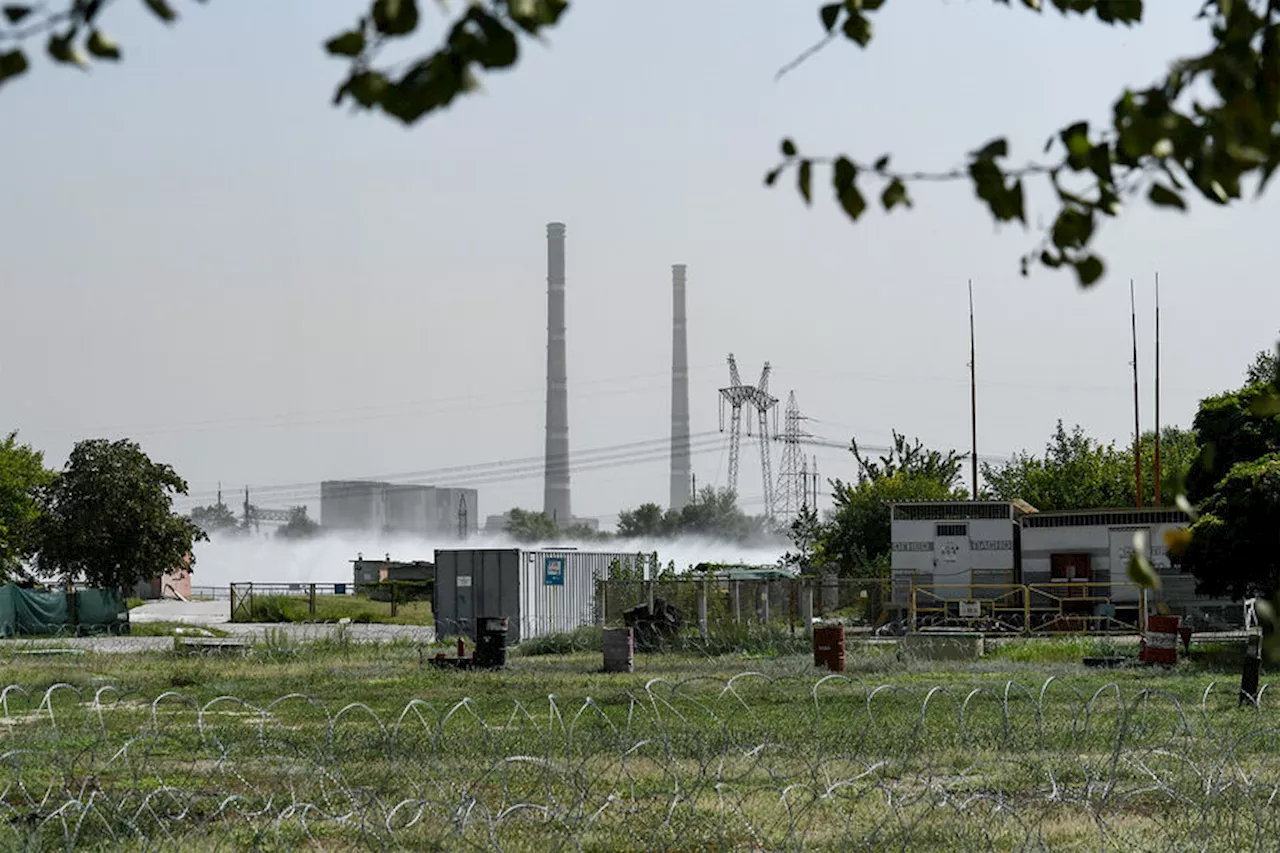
(327, 558)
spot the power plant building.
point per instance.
(369, 505)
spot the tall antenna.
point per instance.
(1158, 472)
(973, 392)
(1137, 433)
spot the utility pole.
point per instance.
(973, 392)
(1157, 473)
(1137, 432)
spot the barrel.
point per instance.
(1161, 645)
(619, 650)
(491, 642)
(828, 647)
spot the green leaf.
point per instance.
(12, 63)
(499, 48)
(844, 180)
(16, 13)
(772, 177)
(830, 14)
(102, 47)
(993, 149)
(881, 164)
(1033, 5)
(395, 17)
(1162, 196)
(788, 148)
(63, 51)
(895, 194)
(1224, 6)
(1141, 572)
(1265, 405)
(804, 180)
(367, 87)
(347, 44)
(162, 10)
(857, 28)
(1088, 270)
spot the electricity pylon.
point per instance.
(757, 396)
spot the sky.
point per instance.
(198, 251)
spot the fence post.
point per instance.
(911, 605)
(393, 599)
(763, 612)
(737, 600)
(311, 601)
(649, 587)
(602, 597)
(702, 608)
(806, 608)
(251, 610)
(1026, 609)
(791, 605)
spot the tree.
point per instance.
(299, 525)
(856, 539)
(214, 518)
(528, 526)
(1078, 472)
(806, 535)
(714, 513)
(108, 518)
(1209, 126)
(1265, 368)
(1238, 426)
(1234, 548)
(23, 477)
(647, 521)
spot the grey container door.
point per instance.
(465, 610)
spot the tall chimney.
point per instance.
(681, 468)
(556, 484)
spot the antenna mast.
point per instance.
(973, 393)
(1157, 474)
(1137, 432)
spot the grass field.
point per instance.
(338, 746)
(331, 608)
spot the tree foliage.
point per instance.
(1233, 546)
(23, 478)
(528, 526)
(108, 518)
(1207, 127)
(1238, 426)
(214, 518)
(856, 539)
(712, 513)
(299, 526)
(1079, 472)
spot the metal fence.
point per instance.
(245, 597)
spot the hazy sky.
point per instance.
(198, 251)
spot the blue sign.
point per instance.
(554, 574)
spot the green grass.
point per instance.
(331, 608)
(133, 601)
(686, 753)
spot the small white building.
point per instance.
(1087, 553)
(961, 550)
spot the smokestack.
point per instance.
(556, 483)
(680, 463)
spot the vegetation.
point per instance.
(299, 525)
(215, 518)
(107, 519)
(529, 526)
(1208, 127)
(1079, 472)
(712, 513)
(23, 479)
(331, 608)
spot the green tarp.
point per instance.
(29, 611)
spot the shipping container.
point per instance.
(540, 592)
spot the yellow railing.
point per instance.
(1039, 608)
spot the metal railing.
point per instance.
(394, 593)
(1071, 607)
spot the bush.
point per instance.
(585, 639)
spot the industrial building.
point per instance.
(539, 592)
(380, 571)
(370, 505)
(1013, 566)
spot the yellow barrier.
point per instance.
(1040, 608)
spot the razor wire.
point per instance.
(756, 761)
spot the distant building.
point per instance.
(369, 505)
(375, 571)
(175, 583)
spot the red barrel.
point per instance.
(1161, 642)
(828, 647)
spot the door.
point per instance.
(464, 597)
(953, 567)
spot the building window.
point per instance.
(951, 530)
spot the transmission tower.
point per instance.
(462, 517)
(736, 396)
(793, 482)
